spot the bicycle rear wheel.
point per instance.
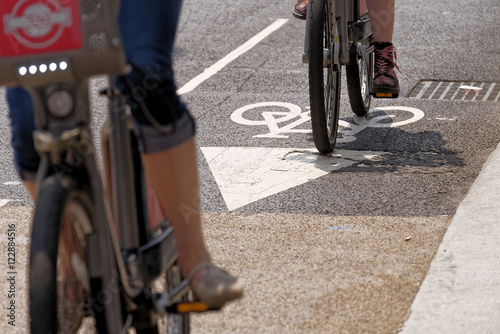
(358, 75)
(324, 77)
(59, 283)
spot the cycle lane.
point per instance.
(290, 206)
(415, 185)
(428, 169)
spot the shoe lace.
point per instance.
(301, 4)
(385, 57)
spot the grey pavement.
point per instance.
(461, 292)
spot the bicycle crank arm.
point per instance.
(169, 302)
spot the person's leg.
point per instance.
(381, 19)
(171, 169)
(384, 80)
(26, 158)
(175, 173)
(169, 159)
(31, 188)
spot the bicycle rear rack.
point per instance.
(48, 41)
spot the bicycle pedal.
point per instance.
(189, 307)
(385, 95)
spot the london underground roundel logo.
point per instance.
(32, 26)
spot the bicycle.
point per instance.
(97, 244)
(338, 33)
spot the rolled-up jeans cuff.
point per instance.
(151, 140)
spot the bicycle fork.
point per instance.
(64, 142)
(338, 54)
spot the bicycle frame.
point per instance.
(114, 237)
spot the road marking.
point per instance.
(212, 70)
(275, 113)
(376, 121)
(4, 202)
(273, 118)
(11, 183)
(248, 174)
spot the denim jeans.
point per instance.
(148, 31)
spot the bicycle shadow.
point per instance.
(403, 151)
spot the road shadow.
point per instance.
(422, 152)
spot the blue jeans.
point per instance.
(148, 31)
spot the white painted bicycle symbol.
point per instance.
(283, 118)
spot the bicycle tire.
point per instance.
(358, 73)
(59, 284)
(324, 95)
(176, 323)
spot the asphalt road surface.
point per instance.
(326, 244)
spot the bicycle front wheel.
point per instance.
(324, 77)
(59, 283)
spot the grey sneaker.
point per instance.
(214, 286)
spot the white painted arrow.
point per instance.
(247, 174)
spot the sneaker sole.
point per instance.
(298, 15)
(384, 92)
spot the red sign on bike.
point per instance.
(39, 26)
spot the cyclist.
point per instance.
(148, 30)
(382, 22)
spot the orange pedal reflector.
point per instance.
(383, 94)
(192, 307)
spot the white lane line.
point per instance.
(212, 70)
(461, 292)
(11, 183)
(4, 202)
